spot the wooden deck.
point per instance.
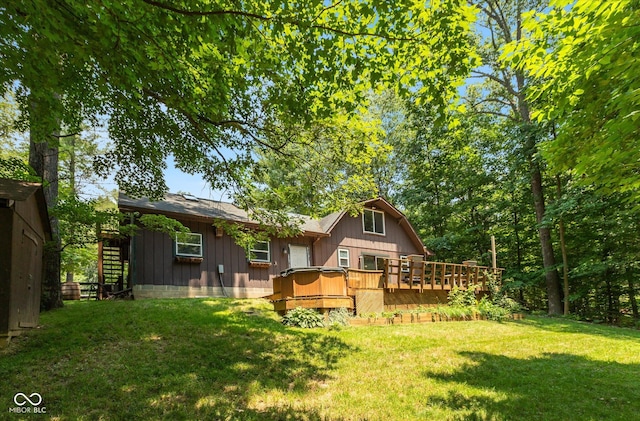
(404, 283)
(420, 275)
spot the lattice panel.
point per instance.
(369, 301)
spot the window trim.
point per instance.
(252, 253)
(374, 211)
(199, 244)
(375, 256)
(348, 258)
(404, 263)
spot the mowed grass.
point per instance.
(198, 359)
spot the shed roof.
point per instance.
(16, 189)
(20, 191)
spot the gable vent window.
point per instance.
(373, 221)
(189, 244)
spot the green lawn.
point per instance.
(232, 359)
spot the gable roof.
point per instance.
(380, 203)
(179, 206)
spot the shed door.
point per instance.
(30, 276)
(298, 256)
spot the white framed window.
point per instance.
(189, 244)
(404, 263)
(261, 252)
(343, 258)
(373, 221)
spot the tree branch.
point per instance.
(61, 136)
(496, 79)
(205, 13)
(267, 18)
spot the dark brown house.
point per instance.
(202, 262)
(24, 229)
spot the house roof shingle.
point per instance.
(180, 206)
(205, 208)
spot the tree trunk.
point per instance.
(631, 288)
(504, 22)
(563, 249)
(552, 279)
(43, 158)
(72, 182)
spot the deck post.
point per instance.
(493, 253)
(433, 275)
(100, 269)
(387, 273)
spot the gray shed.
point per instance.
(24, 229)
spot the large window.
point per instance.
(343, 258)
(189, 244)
(371, 262)
(261, 252)
(373, 221)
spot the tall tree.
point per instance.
(43, 158)
(450, 177)
(500, 23)
(603, 249)
(342, 158)
(77, 207)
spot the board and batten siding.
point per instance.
(156, 272)
(23, 234)
(349, 234)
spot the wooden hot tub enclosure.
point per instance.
(403, 284)
(313, 287)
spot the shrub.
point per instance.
(303, 317)
(499, 296)
(388, 314)
(339, 317)
(459, 297)
(491, 311)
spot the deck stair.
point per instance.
(112, 265)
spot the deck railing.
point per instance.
(415, 273)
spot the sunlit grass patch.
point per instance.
(233, 359)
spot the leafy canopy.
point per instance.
(208, 81)
(584, 59)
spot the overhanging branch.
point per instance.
(256, 16)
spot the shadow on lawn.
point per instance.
(202, 359)
(550, 387)
(559, 324)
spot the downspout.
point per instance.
(133, 266)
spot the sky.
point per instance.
(178, 181)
